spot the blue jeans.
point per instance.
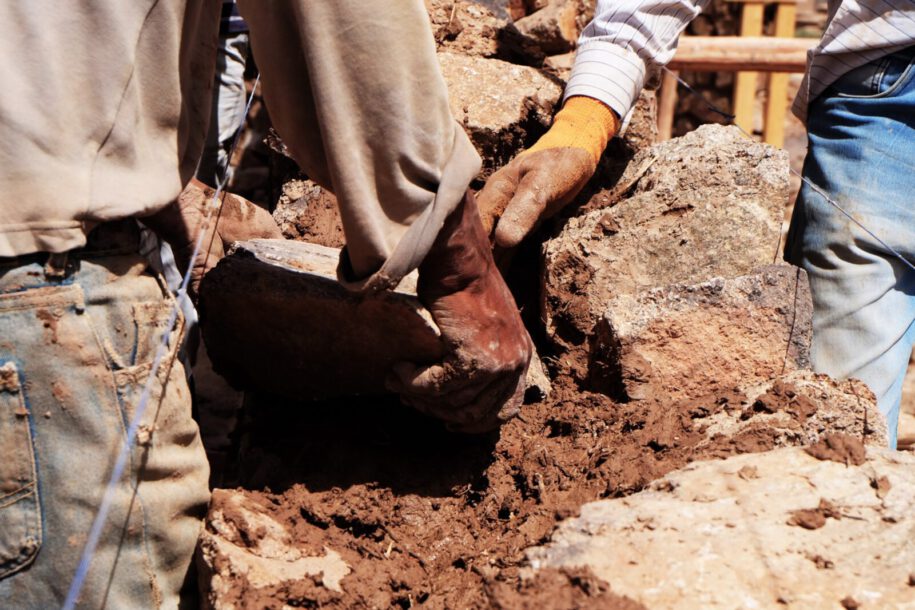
(861, 152)
(75, 352)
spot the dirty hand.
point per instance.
(543, 179)
(179, 224)
(480, 382)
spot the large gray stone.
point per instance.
(503, 107)
(779, 529)
(706, 205)
(687, 340)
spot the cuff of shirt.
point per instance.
(608, 73)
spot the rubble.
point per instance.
(706, 205)
(306, 211)
(680, 341)
(243, 550)
(795, 409)
(469, 28)
(347, 343)
(725, 534)
(503, 107)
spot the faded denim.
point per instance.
(862, 153)
(74, 355)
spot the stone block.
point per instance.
(502, 106)
(685, 340)
(706, 205)
(275, 320)
(780, 529)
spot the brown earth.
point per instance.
(423, 517)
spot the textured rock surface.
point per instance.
(555, 27)
(684, 340)
(772, 530)
(276, 320)
(243, 550)
(469, 28)
(706, 205)
(502, 106)
(797, 408)
(308, 212)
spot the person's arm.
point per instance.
(619, 52)
(355, 90)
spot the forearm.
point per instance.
(355, 90)
(625, 46)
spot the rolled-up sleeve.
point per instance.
(624, 48)
(356, 92)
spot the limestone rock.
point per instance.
(470, 28)
(556, 26)
(706, 205)
(681, 340)
(779, 529)
(503, 107)
(242, 549)
(798, 408)
(275, 319)
(308, 212)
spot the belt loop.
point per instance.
(56, 266)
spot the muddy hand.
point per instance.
(543, 179)
(236, 219)
(480, 383)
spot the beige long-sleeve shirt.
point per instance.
(104, 106)
(628, 42)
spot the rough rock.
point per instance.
(243, 550)
(706, 205)
(735, 534)
(275, 319)
(682, 340)
(469, 28)
(503, 107)
(556, 27)
(308, 212)
(797, 408)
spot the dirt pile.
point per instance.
(427, 518)
(306, 211)
(778, 529)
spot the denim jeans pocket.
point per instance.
(880, 78)
(20, 510)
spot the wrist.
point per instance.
(584, 123)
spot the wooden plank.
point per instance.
(777, 98)
(751, 24)
(667, 104)
(734, 53)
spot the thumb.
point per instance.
(524, 211)
(495, 195)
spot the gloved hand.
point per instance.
(544, 178)
(480, 382)
(180, 222)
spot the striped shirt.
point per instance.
(230, 20)
(624, 48)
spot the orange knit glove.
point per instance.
(543, 179)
